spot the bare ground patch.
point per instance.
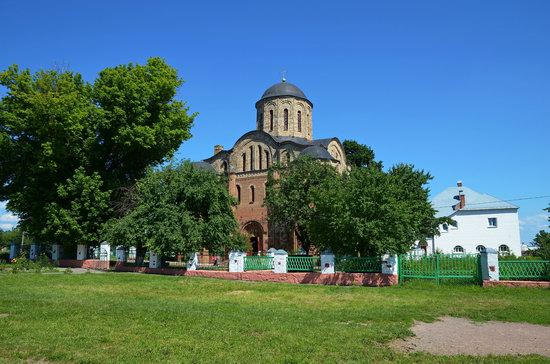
(455, 336)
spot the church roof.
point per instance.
(317, 152)
(284, 89)
(204, 166)
(444, 201)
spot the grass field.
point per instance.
(132, 318)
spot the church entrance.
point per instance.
(256, 234)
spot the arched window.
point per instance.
(244, 162)
(299, 121)
(480, 248)
(239, 194)
(458, 249)
(287, 158)
(286, 119)
(260, 160)
(251, 157)
(504, 249)
(224, 167)
(267, 159)
(261, 121)
(252, 194)
(270, 120)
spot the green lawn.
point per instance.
(132, 318)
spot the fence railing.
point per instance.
(524, 269)
(303, 264)
(257, 262)
(357, 264)
(438, 266)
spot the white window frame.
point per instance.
(489, 222)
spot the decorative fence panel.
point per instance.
(358, 264)
(257, 262)
(303, 263)
(440, 266)
(533, 270)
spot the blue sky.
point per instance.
(461, 89)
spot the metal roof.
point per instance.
(284, 89)
(446, 200)
(317, 152)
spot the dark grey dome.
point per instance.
(283, 89)
(317, 152)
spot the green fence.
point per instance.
(533, 270)
(257, 262)
(303, 263)
(440, 266)
(358, 264)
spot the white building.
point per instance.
(482, 221)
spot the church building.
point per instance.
(284, 130)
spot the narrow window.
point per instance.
(286, 119)
(244, 162)
(239, 194)
(480, 248)
(299, 121)
(251, 157)
(270, 120)
(445, 228)
(492, 221)
(287, 158)
(252, 194)
(267, 159)
(261, 121)
(260, 157)
(224, 167)
(458, 249)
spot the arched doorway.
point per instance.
(256, 233)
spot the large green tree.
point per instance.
(179, 209)
(360, 155)
(371, 212)
(68, 146)
(290, 197)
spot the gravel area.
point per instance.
(454, 336)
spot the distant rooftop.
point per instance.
(444, 201)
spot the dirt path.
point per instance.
(453, 336)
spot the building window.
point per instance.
(492, 221)
(270, 120)
(251, 157)
(286, 119)
(445, 228)
(239, 194)
(260, 160)
(504, 249)
(458, 249)
(299, 121)
(261, 121)
(287, 158)
(480, 248)
(244, 162)
(267, 159)
(252, 194)
(224, 167)
(454, 225)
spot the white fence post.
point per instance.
(56, 251)
(280, 261)
(236, 261)
(105, 246)
(271, 252)
(13, 250)
(193, 261)
(389, 264)
(81, 252)
(489, 265)
(154, 260)
(121, 254)
(327, 262)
